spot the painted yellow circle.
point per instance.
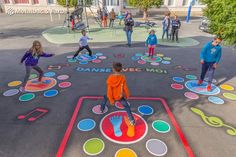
(226, 87)
(125, 152)
(160, 55)
(14, 83)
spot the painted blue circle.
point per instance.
(178, 79)
(216, 100)
(145, 110)
(193, 86)
(83, 62)
(86, 124)
(135, 58)
(86, 57)
(49, 74)
(50, 93)
(138, 54)
(165, 62)
(191, 77)
(99, 54)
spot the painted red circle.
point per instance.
(96, 61)
(140, 128)
(64, 84)
(177, 86)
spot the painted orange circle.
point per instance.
(35, 86)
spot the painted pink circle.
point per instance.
(102, 57)
(142, 62)
(96, 61)
(63, 77)
(155, 63)
(64, 84)
(191, 95)
(69, 57)
(96, 109)
(177, 86)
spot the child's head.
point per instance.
(117, 67)
(36, 48)
(217, 40)
(152, 32)
(83, 32)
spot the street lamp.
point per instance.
(192, 2)
(68, 15)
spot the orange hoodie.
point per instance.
(116, 88)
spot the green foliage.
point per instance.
(145, 4)
(222, 16)
(74, 3)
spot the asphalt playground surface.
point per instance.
(190, 134)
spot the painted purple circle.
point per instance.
(63, 77)
(102, 57)
(69, 57)
(11, 92)
(142, 62)
(96, 61)
(64, 84)
(191, 95)
(155, 63)
(177, 86)
(96, 109)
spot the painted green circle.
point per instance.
(230, 96)
(161, 126)
(27, 97)
(33, 76)
(93, 146)
(167, 58)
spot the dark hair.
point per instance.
(117, 66)
(83, 31)
(218, 37)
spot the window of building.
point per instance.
(21, 1)
(6, 1)
(185, 2)
(51, 2)
(112, 2)
(36, 1)
(170, 2)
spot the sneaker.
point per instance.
(200, 82)
(209, 87)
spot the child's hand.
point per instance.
(202, 61)
(215, 65)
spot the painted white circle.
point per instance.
(156, 147)
(63, 77)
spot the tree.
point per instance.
(222, 16)
(145, 5)
(74, 3)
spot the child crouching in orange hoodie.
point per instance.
(117, 90)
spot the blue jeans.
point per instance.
(165, 31)
(208, 66)
(128, 35)
(124, 102)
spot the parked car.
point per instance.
(204, 25)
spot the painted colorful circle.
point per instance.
(165, 62)
(97, 109)
(14, 83)
(86, 124)
(33, 76)
(64, 84)
(145, 110)
(161, 126)
(216, 100)
(160, 55)
(71, 60)
(230, 96)
(11, 92)
(167, 58)
(70, 56)
(125, 152)
(156, 147)
(178, 79)
(138, 54)
(86, 57)
(193, 86)
(93, 146)
(135, 58)
(116, 127)
(155, 64)
(141, 62)
(99, 54)
(27, 97)
(102, 57)
(50, 93)
(149, 59)
(49, 74)
(47, 83)
(227, 87)
(63, 77)
(191, 77)
(177, 86)
(191, 95)
(119, 105)
(83, 62)
(96, 61)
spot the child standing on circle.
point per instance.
(83, 44)
(151, 42)
(31, 58)
(209, 58)
(117, 90)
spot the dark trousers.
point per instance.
(28, 70)
(175, 33)
(124, 102)
(165, 31)
(111, 24)
(208, 66)
(81, 48)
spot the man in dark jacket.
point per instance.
(129, 23)
(175, 28)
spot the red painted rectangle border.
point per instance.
(66, 137)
